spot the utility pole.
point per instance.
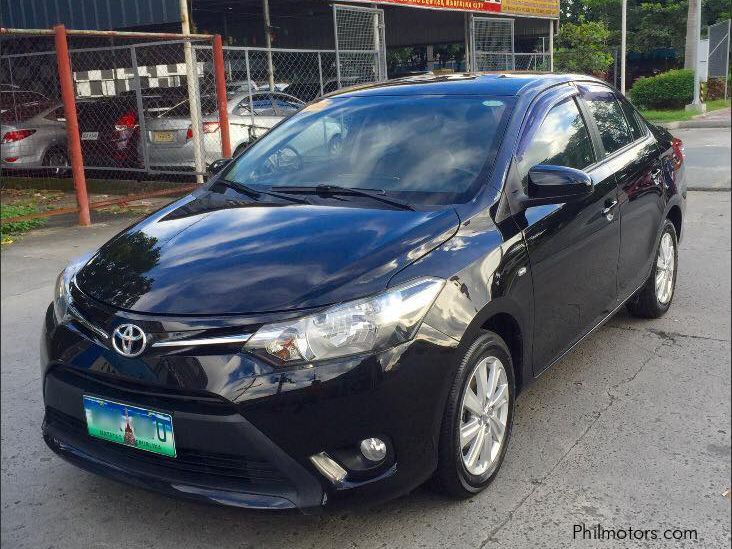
(268, 43)
(192, 83)
(551, 45)
(623, 40)
(696, 105)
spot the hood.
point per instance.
(209, 255)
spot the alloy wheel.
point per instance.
(665, 267)
(484, 415)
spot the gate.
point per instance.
(359, 45)
(491, 44)
(718, 59)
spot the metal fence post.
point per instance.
(218, 61)
(72, 124)
(320, 74)
(337, 48)
(140, 108)
(252, 137)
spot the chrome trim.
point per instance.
(329, 468)
(76, 315)
(221, 340)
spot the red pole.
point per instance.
(218, 61)
(72, 124)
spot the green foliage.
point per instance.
(651, 23)
(659, 24)
(668, 90)
(583, 48)
(17, 227)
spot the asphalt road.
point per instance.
(708, 156)
(631, 430)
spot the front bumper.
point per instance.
(245, 430)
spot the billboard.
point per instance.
(526, 8)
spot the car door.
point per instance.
(573, 247)
(633, 151)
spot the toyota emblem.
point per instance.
(129, 340)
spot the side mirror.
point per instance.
(217, 165)
(555, 185)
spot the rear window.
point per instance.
(20, 106)
(183, 108)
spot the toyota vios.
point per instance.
(351, 306)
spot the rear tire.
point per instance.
(58, 162)
(457, 474)
(654, 298)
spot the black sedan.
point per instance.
(351, 306)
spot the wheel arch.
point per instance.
(509, 329)
(676, 217)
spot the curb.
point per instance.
(688, 124)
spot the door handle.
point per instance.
(607, 211)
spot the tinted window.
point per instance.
(632, 117)
(262, 106)
(425, 149)
(610, 120)
(183, 109)
(561, 140)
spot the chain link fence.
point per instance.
(360, 54)
(718, 60)
(147, 106)
(137, 109)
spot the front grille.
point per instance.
(223, 466)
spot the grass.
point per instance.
(17, 202)
(681, 114)
(10, 230)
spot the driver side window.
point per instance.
(562, 140)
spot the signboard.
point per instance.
(527, 8)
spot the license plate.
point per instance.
(90, 136)
(163, 137)
(130, 425)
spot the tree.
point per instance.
(652, 24)
(582, 47)
(692, 35)
(657, 24)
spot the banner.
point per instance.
(527, 8)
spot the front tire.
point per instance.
(476, 427)
(654, 298)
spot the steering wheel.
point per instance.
(286, 159)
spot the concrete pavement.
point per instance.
(631, 430)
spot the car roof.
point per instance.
(239, 96)
(487, 83)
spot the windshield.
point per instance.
(424, 149)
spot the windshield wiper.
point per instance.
(375, 194)
(255, 194)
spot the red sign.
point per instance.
(530, 8)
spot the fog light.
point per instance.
(373, 449)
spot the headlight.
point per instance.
(361, 326)
(61, 295)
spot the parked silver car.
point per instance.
(33, 136)
(169, 135)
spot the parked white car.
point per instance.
(169, 139)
